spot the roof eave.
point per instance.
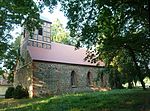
(68, 63)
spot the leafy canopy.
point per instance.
(118, 30)
(16, 12)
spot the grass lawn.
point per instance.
(115, 100)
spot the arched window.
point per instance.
(73, 79)
(89, 78)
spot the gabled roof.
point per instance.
(61, 53)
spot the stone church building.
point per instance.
(51, 68)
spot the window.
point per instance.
(73, 79)
(89, 78)
(40, 31)
(101, 77)
(24, 33)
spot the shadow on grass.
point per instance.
(116, 100)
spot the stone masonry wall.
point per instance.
(23, 76)
(24, 72)
(55, 78)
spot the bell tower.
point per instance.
(40, 37)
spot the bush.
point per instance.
(20, 92)
(9, 92)
(17, 93)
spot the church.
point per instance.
(51, 68)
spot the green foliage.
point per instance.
(11, 58)
(20, 92)
(112, 27)
(17, 93)
(13, 12)
(1, 71)
(58, 33)
(116, 32)
(116, 79)
(115, 100)
(9, 92)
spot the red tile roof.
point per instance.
(61, 53)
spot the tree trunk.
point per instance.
(130, 85)
(139, 74)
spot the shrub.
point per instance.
(9, 92)
(20, 92)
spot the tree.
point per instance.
(11, 58)
(16, 12)
(109, 26)
(58, 33)
(112, 26)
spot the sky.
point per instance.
(57, 14)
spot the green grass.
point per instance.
(115, 100)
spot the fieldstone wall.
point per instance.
(23, 76)
(24, 72)
(55, 78)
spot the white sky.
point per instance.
(57, 14)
